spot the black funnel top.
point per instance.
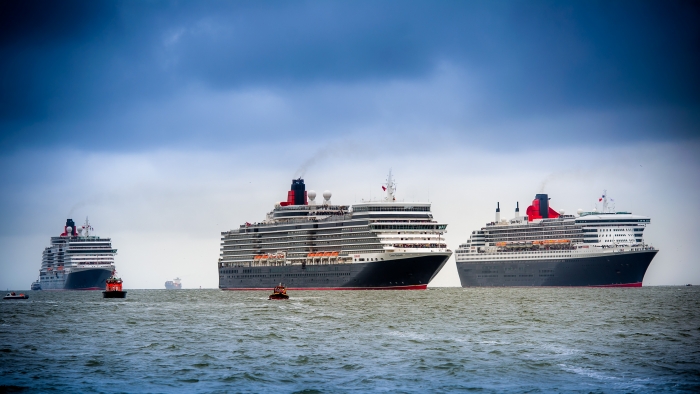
(544, 205)
(298, 188)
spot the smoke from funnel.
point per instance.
(93, 200)
(78, 205)
(318, 156)
(350, 149)
(577, 175)
(545, 181)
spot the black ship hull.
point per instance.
(624, 269)
(93, 279)
(413, 273)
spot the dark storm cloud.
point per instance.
(36, 40)
(85, 65)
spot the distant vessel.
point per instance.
(173, 284)
(36, 285)
(549, 248)
(382, 244)
(77, 260)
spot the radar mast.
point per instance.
(87, 227)
(390, 188)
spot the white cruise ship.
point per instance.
(77, 260)
(372, 245)
(549, 248)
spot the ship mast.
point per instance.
(390, 188)
(87, 227)
(605, 201)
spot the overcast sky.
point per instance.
(169, 122)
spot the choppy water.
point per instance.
(439, 340)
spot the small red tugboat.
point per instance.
(114, 287)
(279, 293)
(15, 296)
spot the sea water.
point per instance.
(438, 340)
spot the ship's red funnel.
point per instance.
(540, 209)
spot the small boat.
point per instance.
(15, 296)
(279, 293)
(114, 287)
(36, 285)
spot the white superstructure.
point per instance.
(77, 260)
(537, 237)
(301, 232)
(545, 236)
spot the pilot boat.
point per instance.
(15, 296)
(114, 287)
(279, 293)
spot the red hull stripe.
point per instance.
(412, 287)
(636, 284)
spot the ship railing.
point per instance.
(296, 262)
(520, 248)
(301, 260)
(537, 249)
(317, 207)
(389, 221)
(331, 218)
(416, 246)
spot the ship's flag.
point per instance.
(384, 188)
(600, 199)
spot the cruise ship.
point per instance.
(549, 248)
(77, 260)
(382, 244)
